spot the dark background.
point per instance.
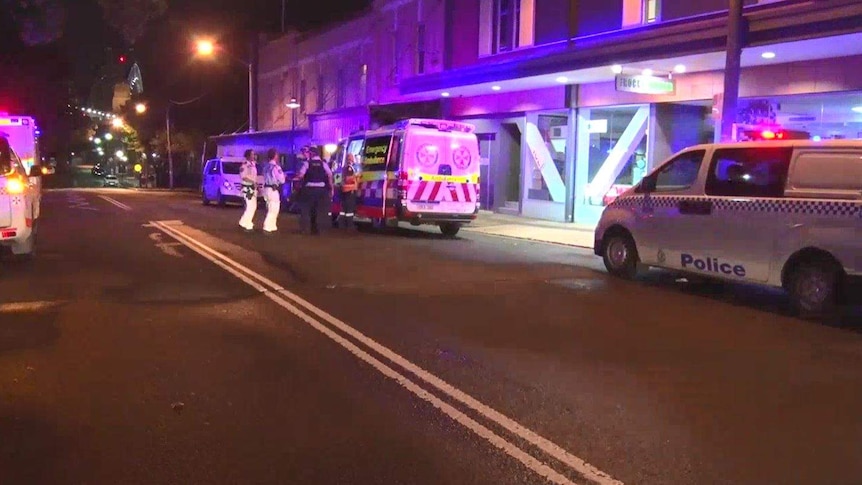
(59, 55)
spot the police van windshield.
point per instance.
(231, 168)
(5, 157)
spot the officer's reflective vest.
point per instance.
(349, 183)
(316, 175)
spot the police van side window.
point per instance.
(748, 172)
(680, 173)
(213, 168)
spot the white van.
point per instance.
(780, 213)
(222, 182)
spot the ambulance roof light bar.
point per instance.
(442, 125)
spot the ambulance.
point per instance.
(19, 203)
(23, 134)
(783, 213)
(417, 171)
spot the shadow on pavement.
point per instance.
(766, 299)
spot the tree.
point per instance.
(130, 17)
(39, 22)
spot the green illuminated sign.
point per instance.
(645, 84)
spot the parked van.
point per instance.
(222, 182)
(778, 213)
(19, 202)
(419, 171)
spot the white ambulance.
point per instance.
(779, 213)
(418, 171)
(19, 203)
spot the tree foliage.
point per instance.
(39, 22)
(130, 17)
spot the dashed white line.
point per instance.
(115, 202)
(289, 301)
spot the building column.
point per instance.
(735, 39)
(571, 163)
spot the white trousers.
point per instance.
(247, 219)
(273, 206)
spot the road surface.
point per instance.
(153, 342)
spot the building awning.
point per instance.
(698, 43)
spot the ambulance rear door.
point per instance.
(442, 171)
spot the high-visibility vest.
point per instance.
(348, 183)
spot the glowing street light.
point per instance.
(109, 136)
(120, 154)
(205, 47)
(97, 141)
(140, 108)
(118, 123)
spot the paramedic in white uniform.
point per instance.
(248, 173)
(273, 179)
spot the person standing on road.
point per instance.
(315, 193)
(348, 191)
(248, 174)
(273, 179)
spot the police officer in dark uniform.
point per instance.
(315, 197)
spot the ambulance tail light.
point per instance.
(14, 186)
(402, 184)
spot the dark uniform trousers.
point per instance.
(314, 208)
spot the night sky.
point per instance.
(42, 79)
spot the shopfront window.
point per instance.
(546, 144)
(617, 152)
(833, 116)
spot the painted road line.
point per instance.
(27, 306)
(546, 446)
(115, 202)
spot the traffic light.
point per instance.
(122, 59)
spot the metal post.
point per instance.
(283, 11)
(168, 139)
(732, 68)
(251, 127)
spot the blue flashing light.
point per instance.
(816, 138)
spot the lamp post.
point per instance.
(206, 48)
(293, 105)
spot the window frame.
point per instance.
(514, 23)
(710, 184)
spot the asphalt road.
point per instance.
(153, 342)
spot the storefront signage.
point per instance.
(645, 84)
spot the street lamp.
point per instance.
(109, 136)
(294, 105)
(117, 123)
(140, 108)
(206, 48)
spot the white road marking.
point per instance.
(115, 202)
(167, 248)
(286, 299)
(27, 306)
(79, 202)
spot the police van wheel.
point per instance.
(221, 200)
(621, 256)
(815, 288)
(204, 198)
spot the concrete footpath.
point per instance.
(568, 234)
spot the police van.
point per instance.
(222, 182)
(417, 171)
(19, 202)
(780, 213)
